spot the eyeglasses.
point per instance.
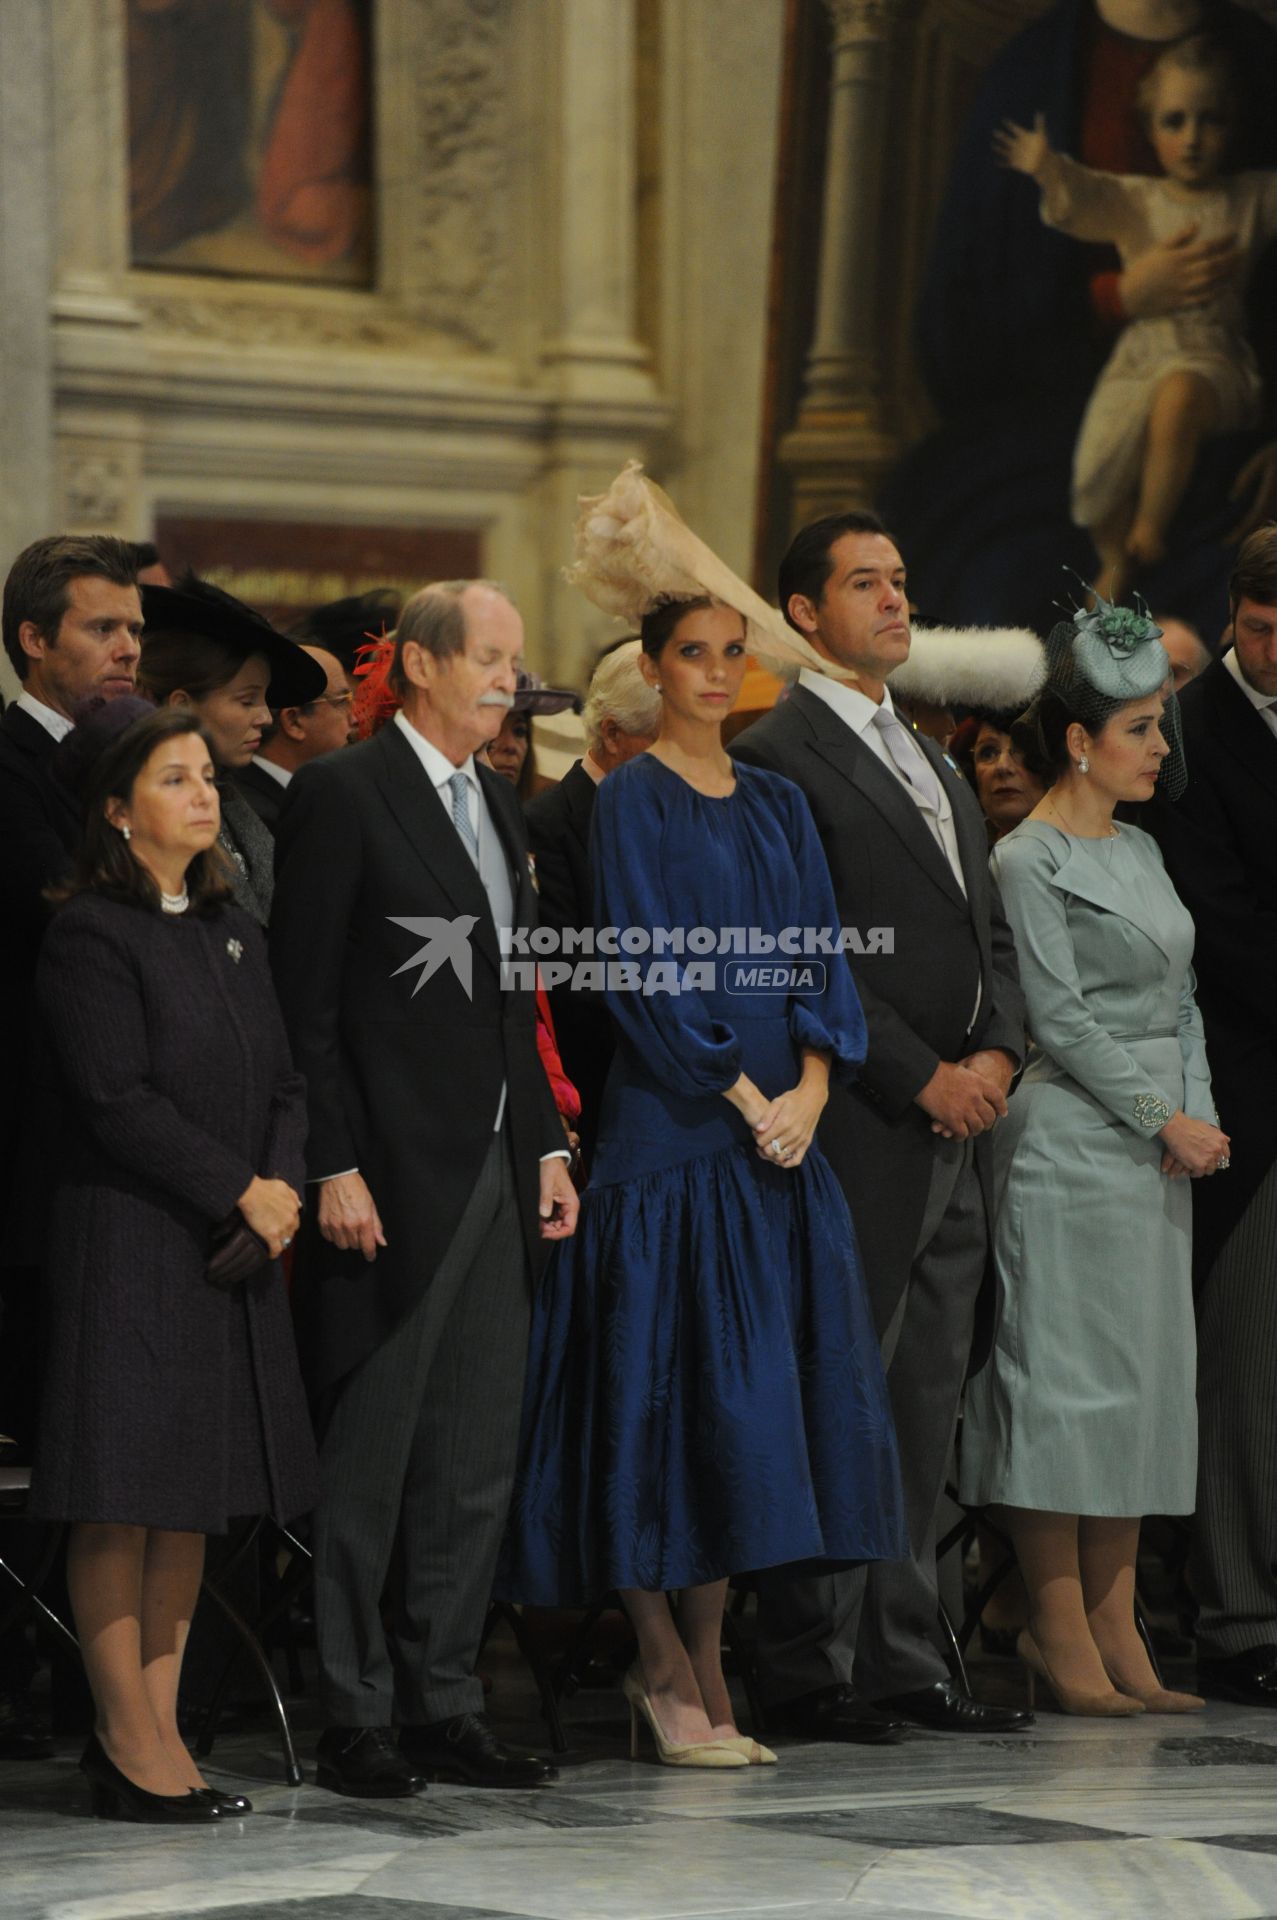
(333, 700)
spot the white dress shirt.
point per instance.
(282, 774)
(1264, 704)
(53, 723)
(859, 712)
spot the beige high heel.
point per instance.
(754, 1751)
(1095, 1706)
(702, 1753)
(1160, 1699)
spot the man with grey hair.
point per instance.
(621, 716)
(436, 1170)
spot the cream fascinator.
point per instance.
(634, 550)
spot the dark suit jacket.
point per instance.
(559, 832)
(1219, 842)
(263, 793)
(889, 872)
(403, 1074)
(39, 833)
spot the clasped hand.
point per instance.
(272, 1210)
(1193, 1148)
(965, 1097)
(786, 1127)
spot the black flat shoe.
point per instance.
(116, 1797)
(233, 1805)
(465, 1750)
(1249, 1679)
(942, 1708)
(365, 1763)
(835, 1713)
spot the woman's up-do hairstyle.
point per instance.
(1098, 662)
(100, 760)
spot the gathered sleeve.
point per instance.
(826, 1016)
(92, 994)
(1059, 1018)
(673, 1032)
(1199, 1101)
(1087, 204)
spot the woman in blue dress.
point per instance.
(705, 1391)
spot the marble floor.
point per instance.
(1174, 1819)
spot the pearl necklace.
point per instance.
(175, 902)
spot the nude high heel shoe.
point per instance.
(704, 1753)
(1160, 1699)
(754, 1751)
(1095, 1706)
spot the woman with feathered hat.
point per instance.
(705, 1391)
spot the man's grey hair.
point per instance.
(619, 692)
(435, 620)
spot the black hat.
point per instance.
(344, 626)
(532, 695)
(196, 606)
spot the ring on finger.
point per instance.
(778, 1149)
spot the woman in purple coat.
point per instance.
(171, 1404)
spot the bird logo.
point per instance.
(445, 941)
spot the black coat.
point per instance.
(39, 832)
(264, 794)
(404, 1077)
(179, 1089)
(559, 832)
(1219, 842)
(888, 872)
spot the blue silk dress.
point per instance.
(705, 1393)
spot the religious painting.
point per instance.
(250, 126)
(1081, 365)
(286, 568)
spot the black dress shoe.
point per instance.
(946, 1710)
(116, 1797)
(365, 1763)
(233, 1805)
(834, 1713)
(1248, 1678)
(466, 1750)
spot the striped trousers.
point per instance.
(1233, 1564)
(416, 1468)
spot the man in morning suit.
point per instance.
(296, 736)
(620, 718)
(72, 624)
(437, 1169)
(1219, 841)
(907, 849)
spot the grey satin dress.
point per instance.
(1088, 1403)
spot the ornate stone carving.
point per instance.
(458, 270)
(93, 485)
(238, 321)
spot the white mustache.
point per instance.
(505, 700)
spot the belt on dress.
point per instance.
(1149, 1033)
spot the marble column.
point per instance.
(27, 225)
(840, 446)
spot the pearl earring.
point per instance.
(127, 832)
(1084, 765)
(657, 685)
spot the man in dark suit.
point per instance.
(1220, 845)
(437, 1168)
(72, 624)
(296, 736)
(907, 850)
(621, 716)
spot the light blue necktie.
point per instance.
(461, 814)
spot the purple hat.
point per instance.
(533, 696)
(98, 725)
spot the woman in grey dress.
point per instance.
(1085, 1417)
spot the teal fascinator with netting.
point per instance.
(1100, 660)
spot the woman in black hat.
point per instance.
(512, 754)
(173, 1399)
(204, 650)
